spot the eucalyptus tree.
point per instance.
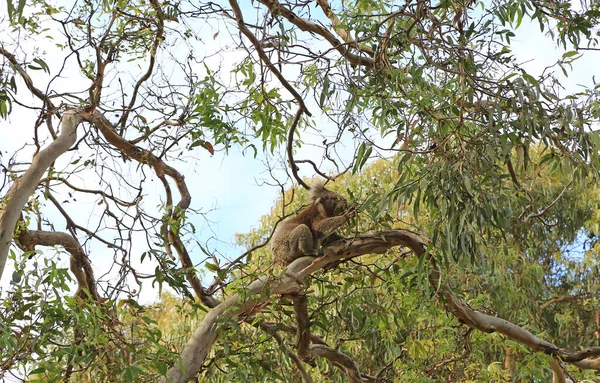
(484, 158)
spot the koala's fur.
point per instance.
(304, 234)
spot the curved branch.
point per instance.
(278, 10)
(545, 210)
(339, 358)
(309, 352)
(197, 348)
(263, 56)
(563, 299)
(341, 31)
(28, 82)
(155, 44)
(80, 264)
(161, 169)
(291, 283)
(273, 332)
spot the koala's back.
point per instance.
(283, 250)
(302, 235)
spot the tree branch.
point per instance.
(300, 302)
(278, 10)
(290, 151)
(558, 372)
(541, 213)
(80, 264)
(291, 283)
(161, 169)
(342, 32)
(23, 187)
(273, 332)
(263, 56)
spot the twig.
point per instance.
(541, 213)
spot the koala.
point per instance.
(304, 234)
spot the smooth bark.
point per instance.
(23, 187)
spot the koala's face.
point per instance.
(333, 203)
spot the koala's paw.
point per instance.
(352, 212)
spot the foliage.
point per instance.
(424, 112)
(382, 311)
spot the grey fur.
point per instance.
(304, 234)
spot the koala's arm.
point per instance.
(328, 226)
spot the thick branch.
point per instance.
(80, 264)
(558, 372)
(19, 192)
(338, 358)
(197, 348)
(309, 352)
(303, 327)
(290, 283)
(490, 324)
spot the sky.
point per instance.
(230, 185)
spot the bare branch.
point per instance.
(290, 151)
(161, 169)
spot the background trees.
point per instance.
(482, 203)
